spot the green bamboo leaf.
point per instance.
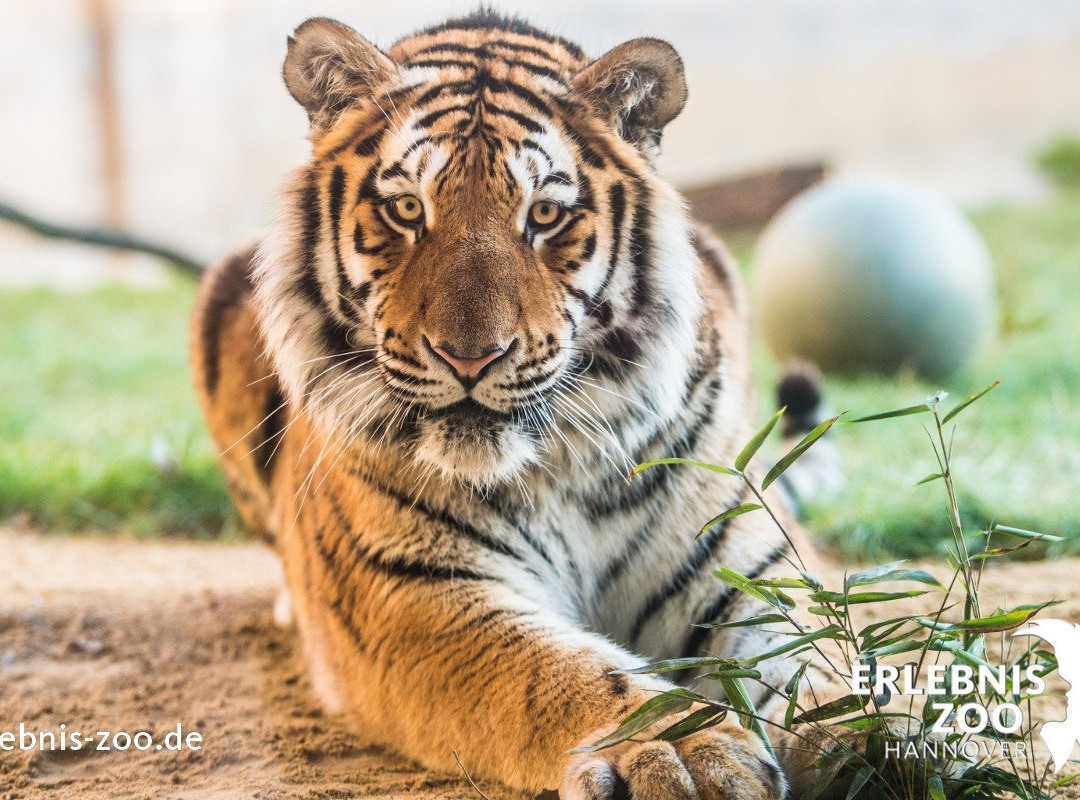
(650, 712)
(744, 456)
(744, 707)
(878, 631)
(969, 401)
(957, 649)
(675, 664)
(784, 598)
(828, 632)
(893, 571)
(874, 722)
(929, 478)
(904, 646)
(935, 787)
(859, 781)
(734, 672)
(703, 464)
(792, 691)
(743, 584)
(795, 452)
(900, 412)
(692, 723)
(1067, 779)
(864, 597)
(742, 508)
(763, 619)
(995, 623)
(781, 583)
(841, 705)
(811, 580)
(1025, 534)
(1000, 551)
(885, 639)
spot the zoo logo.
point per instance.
(1060, 736)
(959, 680)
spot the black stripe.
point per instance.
(565, 234)
(342, 599)
(529, 144)
(360, 247)
(396, 170)
(230, 284)
(588, 155)
(405, 377)
(272, 427)
(529, 124)
(335, 338)
(437, 515)
(443, 63)
(629, 550)
(716, 608)
(487, 19)
(450, 87)
(511, 516)
(434, 116)
(537, 69)
(528, 97)
(588, 248)
(308, 283)
(617, 205)
(368, 146)
(704, 550)
(523, 48)
(585, 193)
(622, 344)
(615, 496)
(641, 251)
(368, 190)
(447, 47)
(337, 196)
(393, 566)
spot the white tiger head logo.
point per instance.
(1064, 637)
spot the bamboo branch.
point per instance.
(100, 237)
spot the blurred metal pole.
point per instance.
(103, 29)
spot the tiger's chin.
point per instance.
(478, 451)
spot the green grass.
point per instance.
(99, 427)
(1018, 450)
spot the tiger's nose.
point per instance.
(467, 365)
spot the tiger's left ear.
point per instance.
(639, 86)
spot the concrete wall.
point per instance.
(955, 93)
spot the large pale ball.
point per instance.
(874, 274)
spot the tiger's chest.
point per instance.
(610, 551)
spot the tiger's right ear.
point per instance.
(330, 66)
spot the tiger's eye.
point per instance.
(545, 213)
(407, 208)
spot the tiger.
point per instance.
(478, 308)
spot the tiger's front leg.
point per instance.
(433, 639)
(465, 664)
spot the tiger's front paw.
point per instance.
(722, 763)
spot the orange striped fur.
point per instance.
(478, 308)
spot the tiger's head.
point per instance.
(478, 262)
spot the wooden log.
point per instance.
(749, 201)
(99, 237)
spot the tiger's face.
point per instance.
(472, 227)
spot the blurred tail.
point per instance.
(819, 474)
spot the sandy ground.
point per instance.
(121, 635)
